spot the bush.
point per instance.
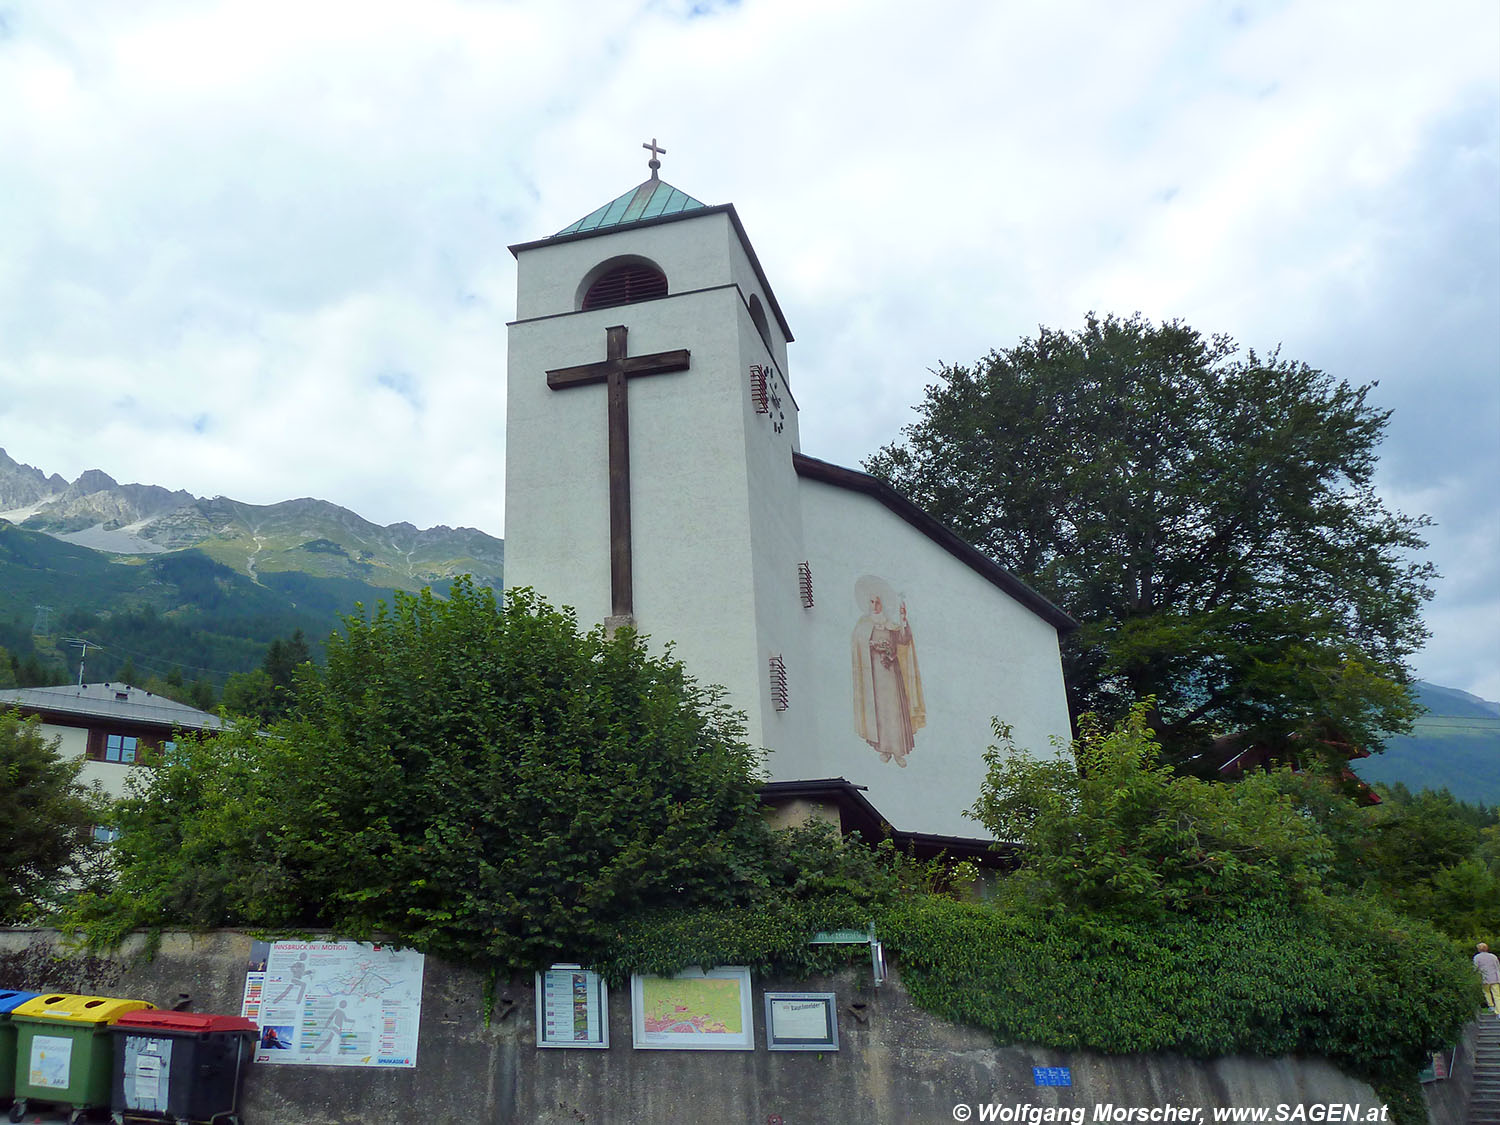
(479, 781)
(1114, 830)
(1345, 979)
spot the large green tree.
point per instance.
(1209, 516)
(482, 781)
(45, 816)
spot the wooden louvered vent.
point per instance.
(625, 286)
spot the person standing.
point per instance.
(1488, 966)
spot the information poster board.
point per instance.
(334, 1003)
(572, 1008)
(802, 1021)
(693, 1011)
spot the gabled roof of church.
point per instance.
(937, 531)
(647, 200)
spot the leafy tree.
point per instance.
(1111, 829)
(481, 781)
(249, 693)
(282, 660)
(269, 692)
(1426, 857)
(1209, 517)
(201, 695)
(45, 820)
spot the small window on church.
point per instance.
(778, 682)
(625, 286)
(758, 315)
(804, 584)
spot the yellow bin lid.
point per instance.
(77, 1009)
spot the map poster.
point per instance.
(572, 1008)
(335, 1003)
(693, 1011)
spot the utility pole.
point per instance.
(84, 644)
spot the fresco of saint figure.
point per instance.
(888, 704)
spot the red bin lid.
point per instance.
(193, 1023)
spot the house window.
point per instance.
(120, 748)
(104, 835)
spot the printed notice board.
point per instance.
(572, 1008)
(334, 1003)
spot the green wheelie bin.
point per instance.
(64, 1055)
(9, 1001)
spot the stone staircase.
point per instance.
(1484, 1102)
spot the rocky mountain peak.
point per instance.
(22, 486)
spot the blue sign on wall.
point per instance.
(1052, 1076)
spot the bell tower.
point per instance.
(649, 437)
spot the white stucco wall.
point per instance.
(691, 494)
(73, 743)
(981, 655)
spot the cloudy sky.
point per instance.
(257, 247)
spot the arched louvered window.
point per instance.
(625, 286)
(758, 315)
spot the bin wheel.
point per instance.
(77, 1116)
(18, 1109)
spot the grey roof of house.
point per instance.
(102, 701)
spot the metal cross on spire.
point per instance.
(654, 164)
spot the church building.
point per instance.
(655, 479)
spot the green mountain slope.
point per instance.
(179, 610)
(1454, 746)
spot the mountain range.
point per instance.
(306, 535)
(157, 580)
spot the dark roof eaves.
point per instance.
(676, 216)
(636, 224)
(938, 532)
(870, 823)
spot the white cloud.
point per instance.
(228, 221)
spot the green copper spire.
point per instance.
(645, 201)
(652, 198)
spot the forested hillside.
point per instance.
(1454, 745)
(179, 616)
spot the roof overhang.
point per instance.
(856, 814)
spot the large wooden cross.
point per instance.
(614, 371)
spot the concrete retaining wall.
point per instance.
(895, 1064)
